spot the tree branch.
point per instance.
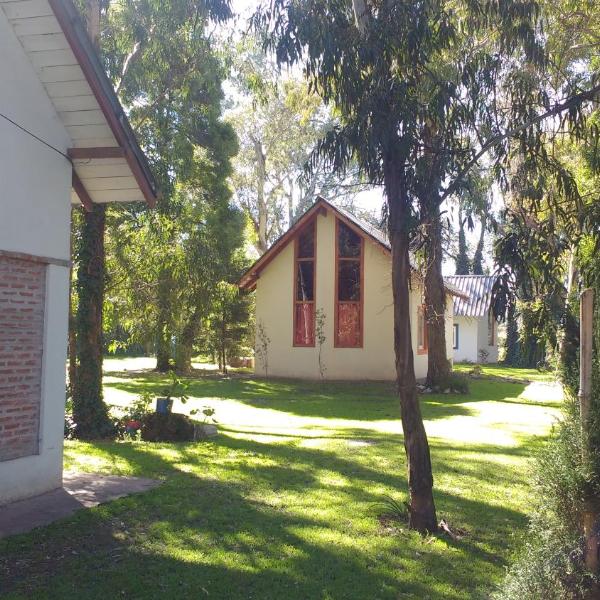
(555, 110)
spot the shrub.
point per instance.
(550, 565)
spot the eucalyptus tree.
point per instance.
(278, 123)
(375, 62)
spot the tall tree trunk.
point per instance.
(478, 256)
(462, 259)
(422, 516)
(185, 344)
(438, 366)
(512, 337)
(164, 320)
(89, 411)
(72, 337)
(261, 175)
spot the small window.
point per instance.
(304, 287)
(491, 329)
(348, 242)
(455, 336)
(349, 281)
(421, 330)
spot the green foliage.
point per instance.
(320, 320)
(141, 406)
(177, 389)
(263, 343)
(550, 563)
(278, 123)
(90, 414)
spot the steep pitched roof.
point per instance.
(321, 206)
(476, 297)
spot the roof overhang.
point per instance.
(108, 163)
(321, 206)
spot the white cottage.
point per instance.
(475, 331)
(335, 266)
(64, 139)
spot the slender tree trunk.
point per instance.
(89, 411)
(261, 174)
(512, 337)
(422, 516)
(438, 366)
(163, 325)
(478, 256)
(462, 259)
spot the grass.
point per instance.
(284, 504)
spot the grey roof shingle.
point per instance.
(478, 289)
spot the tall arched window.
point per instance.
(348, 287)
(304, 287)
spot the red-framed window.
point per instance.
(305, 286)
(349, 258)
(422, 337)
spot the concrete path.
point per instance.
(80, 490)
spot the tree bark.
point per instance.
(478, 256)
(163, 324)
(438, 366)
(512, 337)
(185, 344)
(462, 259)
(89, 411)
(260, 196)
(422, 515)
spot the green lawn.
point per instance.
(281, 505)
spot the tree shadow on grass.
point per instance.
(225, 534)
(369, 401)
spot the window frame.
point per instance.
(295, 302)
(361, 301)
(422, 316)
(455, 336)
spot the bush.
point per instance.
(550, 565)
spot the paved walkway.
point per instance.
(80, 490)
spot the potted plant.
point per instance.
(175, 389)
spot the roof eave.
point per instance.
(75, 32)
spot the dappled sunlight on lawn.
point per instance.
(279, 411)
(285, 502)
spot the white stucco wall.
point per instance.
(482, 340)
(375, 360)
(473, 336)
(35, 185)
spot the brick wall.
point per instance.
(22, 292)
